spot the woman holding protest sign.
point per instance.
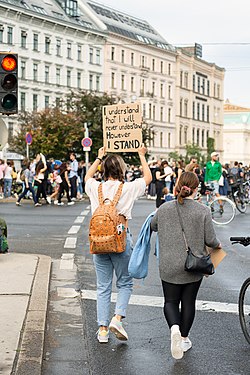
(106, 264)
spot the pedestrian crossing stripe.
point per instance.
(152, 301)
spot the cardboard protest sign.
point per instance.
(122, 127)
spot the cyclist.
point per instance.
(213, 173)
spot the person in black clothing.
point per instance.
(160, 183)
(65, 184)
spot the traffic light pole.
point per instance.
(86, 152)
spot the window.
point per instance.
(23, 39)
(186, 79)
(198, 111)
(132, 59)
(123, 82)
(185, 135)
(46, 101)
(181, 77)
(112, 80)
(218, 91)
(98, 57)
(91, 54)
(162, 67)
(181, 102)
(132, 80)
(161, 139)
(98, 79)
(203, 138)
(69, 50)
(180, 135)
(207, 134)
(10, 35)
(203, 86)
(35, 42)
(169, 140)
(46, 74)
(23, 101)
(142, 87)
(112, 53)
(79, 80)
(153, 88)
(154, 112)
(161, 91)
(144, 110)
(143, 61)
(58, 47)
(35, 71)
(1, 35)
(208, 88)
(193, 82)
(10, 131)
(68, 78)
(169, 92)
(153, 65)
(186, 108)
(23, 69)
(79, 52)
(214, 89)
(150, 111)
(35, 102)
(122, 56)
(58, 100)
(193, 135)
(198, 137)
(203, 112)
(58, 76)
(91, 82)
(47, 44)
(193, 110)
(208, 113)
(161, 114)
(169, 114)
(169, 69)
(199, 84)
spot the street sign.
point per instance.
(28, 138)
(86, 142)
(87, 149)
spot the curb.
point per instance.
(30, 351)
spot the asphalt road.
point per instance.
(71, 346)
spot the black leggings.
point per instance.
(173, 295)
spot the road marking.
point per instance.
(67, 261)
(79, 219)
(84, 213)
(74, 229)
(152, 301)
(67, 292)
(70, 243)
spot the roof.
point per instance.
(56, 9)
(228, 107)
(129, 26)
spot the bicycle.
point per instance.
(244, 296)
(222, 208)
(239, 194)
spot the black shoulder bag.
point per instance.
(202, 265)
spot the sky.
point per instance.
(220, 26)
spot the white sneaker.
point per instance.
(186, 344)
(48, 200)
(73, 199)
(60, 204)
(55, 202)
(102, 335)
(176, 342)
(71, 203)
(117, 328)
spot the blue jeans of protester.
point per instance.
(25, 191)
(7, 187)
(105, 265)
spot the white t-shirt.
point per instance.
(166, 171)
(130, 191)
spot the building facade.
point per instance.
(199, 101)
(59, 49)
(236, 134)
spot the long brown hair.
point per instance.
(114, 167)
(186, 185)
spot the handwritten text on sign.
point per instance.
(122, 127)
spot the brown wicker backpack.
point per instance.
(107, 229)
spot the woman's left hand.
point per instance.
(101, 152)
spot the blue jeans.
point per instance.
(30, 188)
(105, 265)
(7, 187)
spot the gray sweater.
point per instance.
(199, 231)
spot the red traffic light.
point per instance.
(9, 63)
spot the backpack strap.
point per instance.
(117, 194)
(100, 194)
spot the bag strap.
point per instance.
(118, 194)
(182, 228)
(116, 197)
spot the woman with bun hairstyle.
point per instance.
(180, 287)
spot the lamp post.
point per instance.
(86, 152)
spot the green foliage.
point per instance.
(58, 131)
(210, 147)
(193, 149)
(174, 155)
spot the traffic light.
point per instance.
(8, 80)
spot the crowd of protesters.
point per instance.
(48, 181)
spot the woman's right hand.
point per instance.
(101, 152)
(142, 150)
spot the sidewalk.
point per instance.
(24, 286)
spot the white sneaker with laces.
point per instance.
(186, 344)
(102, 335)
(117, 328)
(60, 204)
(176, 342)
(71, 203)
